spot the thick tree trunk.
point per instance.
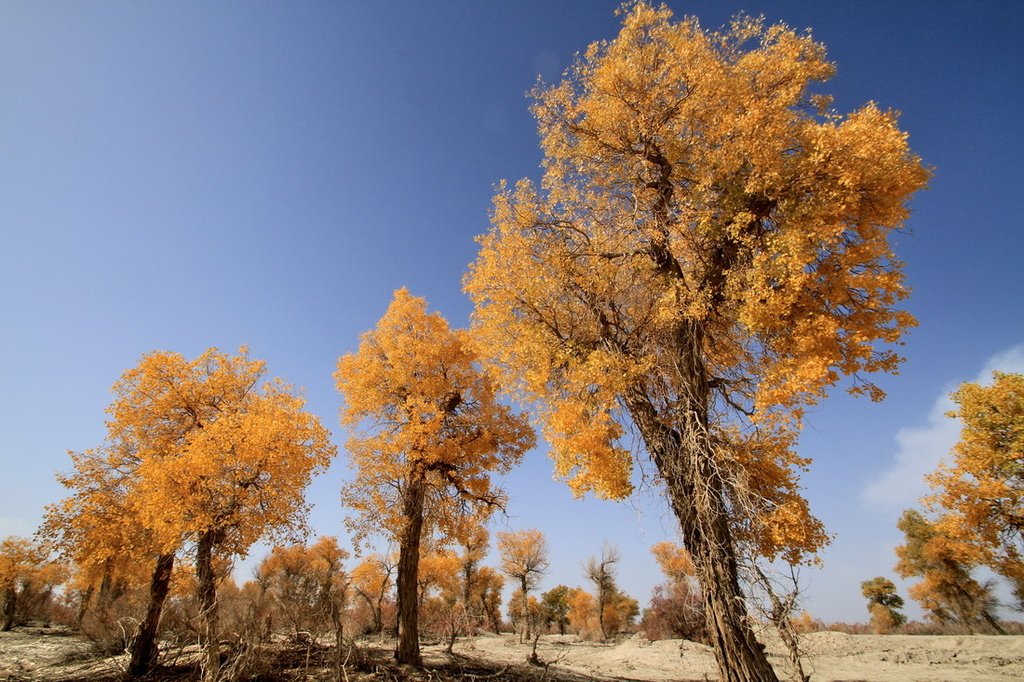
(10, 608)
(208, 604)
(684, 455)
(144, 650)
(408, 650)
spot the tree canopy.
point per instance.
(419, 404)
(980, 493)
(707, 253)
(428, 432)
(199, 451)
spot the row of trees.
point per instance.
(306, 592)
(456, 594)
(707, 254)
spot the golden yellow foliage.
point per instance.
(428, 432)
(946, 589)
(980, 493)
(675, 562)
(25, 568)
(306, 583)
(805, 623)
(198, 451)
(705, 232)
(372, 576)
(95, 527)
(440, 570)
(213, 449)
(474, 541)
(372, 580)
(524, 556)
(486, 594)
(430, 412)
(707, 253)
(583, 613)
(20, 560)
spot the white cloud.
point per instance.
(921, 447)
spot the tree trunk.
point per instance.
(685, 458)
(453, 633)
(106, 587)
(467, 594)
(144, 650)
(337, 618)
(408, 650)
(10, 608)
(208, 604)
(375, 611)
(83, 605)
(780, 618)
(525, 613)
(993, 623)
(493, 618)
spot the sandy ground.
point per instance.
(830, 656)
(54, 655)
(51, 654)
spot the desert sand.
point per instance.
(53, 656)
(830, 656)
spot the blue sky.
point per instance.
(184, 175)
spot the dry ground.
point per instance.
(55, 655)
(830, 656)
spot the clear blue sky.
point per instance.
(184, 175)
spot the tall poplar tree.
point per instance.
(708, 253)
(428, 433)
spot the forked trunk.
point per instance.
(684, 456)
(144, 650)
(208, 605)
(408, 650)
